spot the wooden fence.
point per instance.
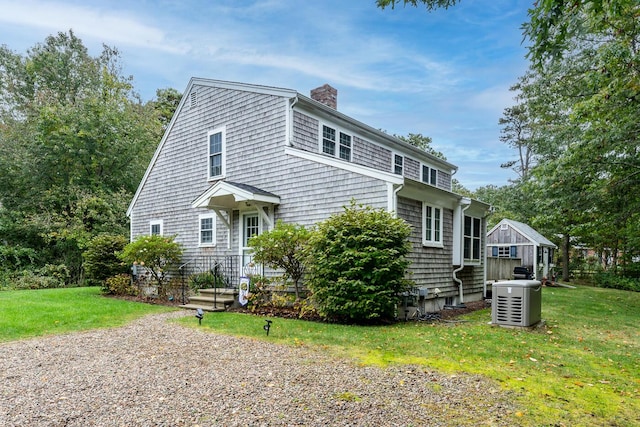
(501, 268)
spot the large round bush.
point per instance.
(357, 265)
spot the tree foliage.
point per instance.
(422, 142)
(582, 96)
(357, 264)
(155, 254)
(75, 140)
(429, 4)
(282, 248)
(101, 258)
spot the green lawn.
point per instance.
(31, 313)
(582, 368)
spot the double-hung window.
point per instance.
(216, 142)
(432, 225)
(336, 143)
(345, 147)
(429, 175)
(207, 226)
(155, 227)
(472, 239)
(398, 164)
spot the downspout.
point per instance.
(293, 101)
(484, 248)
(465, 202)
(395, 199)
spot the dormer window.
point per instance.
(398, 164)
(332, 137)
(429, 175)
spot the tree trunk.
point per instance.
(566, 246)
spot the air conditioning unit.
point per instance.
(516, 303)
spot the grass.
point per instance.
(581, 368)
(32, 313)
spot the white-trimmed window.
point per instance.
(336, 143)
(207, 229)
(472, 238)
(429, 175)
(431, 225)
(156, 227)
(398, 164)
(216, 153)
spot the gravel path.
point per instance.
(158, 373)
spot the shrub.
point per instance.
(15, 257)
(101, 260)
(207, 280)
(28, 279)
(282, 248)
(156, 254)
(121, 285)
(613, 281)
(357, 264)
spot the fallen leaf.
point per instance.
(533, 360)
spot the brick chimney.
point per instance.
(326, 95)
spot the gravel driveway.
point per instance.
(158, 373)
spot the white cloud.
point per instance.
(102, 24)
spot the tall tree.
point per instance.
(429, 4)
(517, 134)
(422, 142)
(74, 142)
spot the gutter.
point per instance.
(465, 202)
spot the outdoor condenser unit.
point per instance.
(516, 303)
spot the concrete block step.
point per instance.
(210, 300)
(204, 308)
(219, 291)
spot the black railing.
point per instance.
(213, 271)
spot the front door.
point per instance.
(250, 227)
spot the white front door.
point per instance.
(250, 226)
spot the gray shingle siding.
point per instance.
(258, 154)
(372, 155)
(411, 168)
(305, 132)
(430, 266)
(444, 180)
(255, 135)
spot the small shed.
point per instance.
(511, 239)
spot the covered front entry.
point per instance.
(254, 207)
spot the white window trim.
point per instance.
(428, 177)
(393, 163)
(156, 222)
(211, 215)
(430, 242)
(473, 261)
(223, 161)
(338, 131)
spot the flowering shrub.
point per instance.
(282, 248)
(155, 254)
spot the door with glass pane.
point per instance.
(250, 227)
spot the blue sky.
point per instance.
(444, 74)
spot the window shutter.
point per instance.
(514, 252)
